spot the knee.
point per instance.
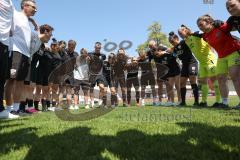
(222, 78)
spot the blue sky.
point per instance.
(88, 21)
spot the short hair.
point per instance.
(62, 42)
(121, 49)
(142, 52)
(183, 26)
(72, 41)
(206, 18)
(98, 43)
(172, 36)
(24, 1)
(54, 42)
(152, 42)
(45, 27)
(83, 50)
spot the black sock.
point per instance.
(104, 98)
(48, 103)
(36, 104)
(22, 106)
(44, 104)
(54, 103)
(195, 92)
(113, 99)
(183, 94)
(29, 102)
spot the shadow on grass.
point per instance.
(198, 141)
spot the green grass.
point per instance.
(126, 133)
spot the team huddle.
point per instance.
(32, 73)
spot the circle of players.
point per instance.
(32, 73)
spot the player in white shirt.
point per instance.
(6, 15)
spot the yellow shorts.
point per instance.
(223, 64)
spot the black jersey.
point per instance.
(234, 21)
(151, 53)
(119, 65)
(107, 69)
(96, 63)
(145, 65)
(132, 70)
(184, 53)
(169, 60)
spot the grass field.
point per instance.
(126, 133)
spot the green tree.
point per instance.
(154, 34)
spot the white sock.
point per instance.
(225, 101)
(16, 106)
(9, 108)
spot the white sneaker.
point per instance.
(92, 104)
(87, 107)
(168, 104)
(160, 104)
(142, 103)
(76, 107)
(71, 107)
(177, 103)
(7, 115)
(51, 109)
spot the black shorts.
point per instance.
(21, 64)
(97, 79)
(173, 71)
(148, 79)
(4, 62)
(109, 82)
(120, 81)
(162, 70)
(189, 69)
(132, 81)
(78, 84)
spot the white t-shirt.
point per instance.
(6, 16)
(21, 30)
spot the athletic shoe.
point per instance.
(87, 107)
(237, 107)
(203, 104)
(168, 104)
(92, 104)
(160, 104)
(52, 109)
(76, 107)
(21, 113)
(215, 105)
(224, 106)
(71, 107)
(31, 110)
(196, 104)
(125, 105)
(182, 104)
(7, 115)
